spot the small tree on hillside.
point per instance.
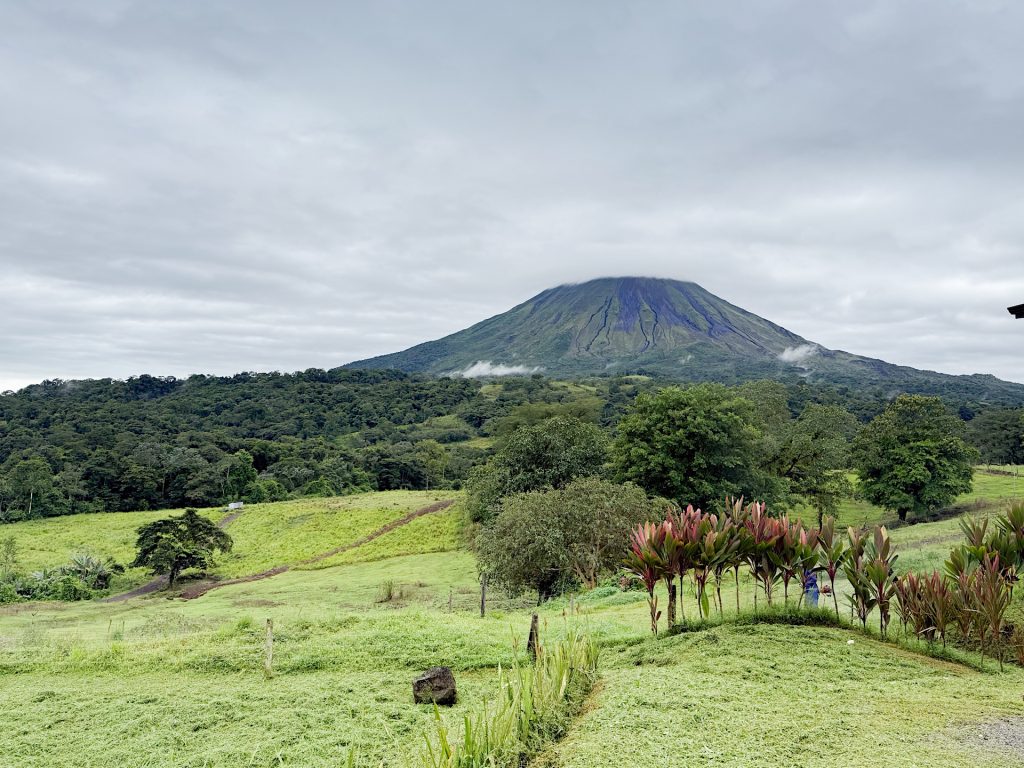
(546, 539)
(173, 544)
(912, 457)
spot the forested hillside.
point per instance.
(151, 442)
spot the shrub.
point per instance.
(534, 705)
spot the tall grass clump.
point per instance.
(534, 706)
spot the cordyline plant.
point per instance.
(806, 556)
(908, 596)
(644, 561)
(728, 542)
(763, 532)
(684, 545)
(832, 554)
(738, 515)
(861, 597)
(992, 597)
(879, 573)
(964, 604)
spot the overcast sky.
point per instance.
(203, 186)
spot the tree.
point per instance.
(912, 458)
(694, 446)
(175, 543)
(239, 475)
(811, 455)
(544, 540)
(8, 556)
(30, 485)
(999, 435)
(434, 459)
(547, 455)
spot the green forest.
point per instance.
(159, 442)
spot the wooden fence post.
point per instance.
(534, 639)
(483, 594)
(268, 656)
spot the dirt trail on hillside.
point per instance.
(199, 590)
(161, 581)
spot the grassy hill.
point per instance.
(161, 683)
(265, 535)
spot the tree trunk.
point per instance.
(736, 571)
(671, 604)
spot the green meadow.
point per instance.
(160, 682)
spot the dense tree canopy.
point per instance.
(998, 434)
(912, 458)
(694, 446)
(547, 455)
(152, 443)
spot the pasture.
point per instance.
(164, 682)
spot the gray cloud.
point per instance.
(214, 186)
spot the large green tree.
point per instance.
(810, 454)
(175, 543)
(912, 458)
(545, 540)
(694, 446)
(547, 455)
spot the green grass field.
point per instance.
(158, 683)
(167, 683)
(265, 535)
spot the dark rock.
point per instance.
(436, 685)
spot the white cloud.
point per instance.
(798, 354)
(484, 368)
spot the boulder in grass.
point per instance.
(435, 686)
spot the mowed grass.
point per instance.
(286, 533)
(162, 683)
(435, 532)
(170, 683)
(756, 696)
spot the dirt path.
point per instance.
(161, 581)
(199, 590)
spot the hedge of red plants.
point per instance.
(969, 598)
